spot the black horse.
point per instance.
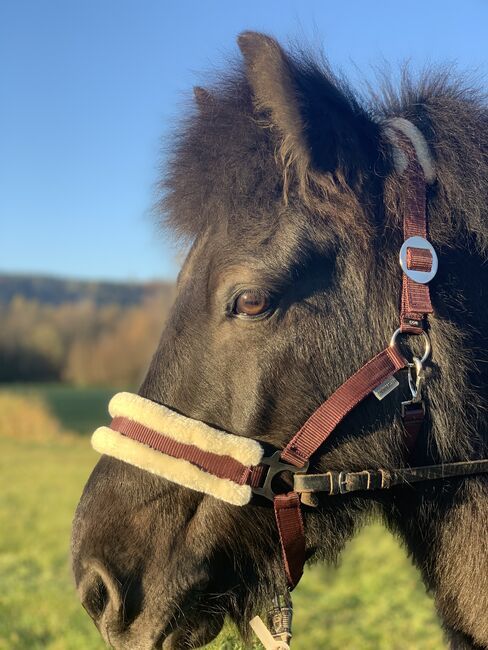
(285, 184)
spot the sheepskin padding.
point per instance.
(107, 441)
(419, 142)
(185, 430)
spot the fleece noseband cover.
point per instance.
(192, 434)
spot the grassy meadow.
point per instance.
(373, 601)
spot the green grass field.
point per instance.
(78, 409)
(373, 601)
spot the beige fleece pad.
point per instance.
(182, 429)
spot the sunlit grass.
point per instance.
(40, 485)
(77, 409)
(27, 418)
(373, 601)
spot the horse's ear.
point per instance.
(203, 97)
(322, 128)
(270, 75)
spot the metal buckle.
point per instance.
(417, 405)
(342, 482)
(276, 466)
(422, 277)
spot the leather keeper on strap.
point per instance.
(334, 482)
(419, 259)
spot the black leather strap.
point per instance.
(381, 479)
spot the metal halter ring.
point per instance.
(422, 277)
(428, 346)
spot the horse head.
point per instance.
(288, 190)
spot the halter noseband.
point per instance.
(233, 468)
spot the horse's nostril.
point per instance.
(95, 599)
(99, 592)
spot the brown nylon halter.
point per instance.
(295, 457)
(415, 306)
(310, 437)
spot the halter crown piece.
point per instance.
(234, 469)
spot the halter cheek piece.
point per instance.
(233, 468)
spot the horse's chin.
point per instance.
(195, 636)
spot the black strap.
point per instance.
(383, 479)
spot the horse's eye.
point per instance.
(252, 302)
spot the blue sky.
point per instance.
(90, 88)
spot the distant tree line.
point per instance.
(57, 291)
(80, 342)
